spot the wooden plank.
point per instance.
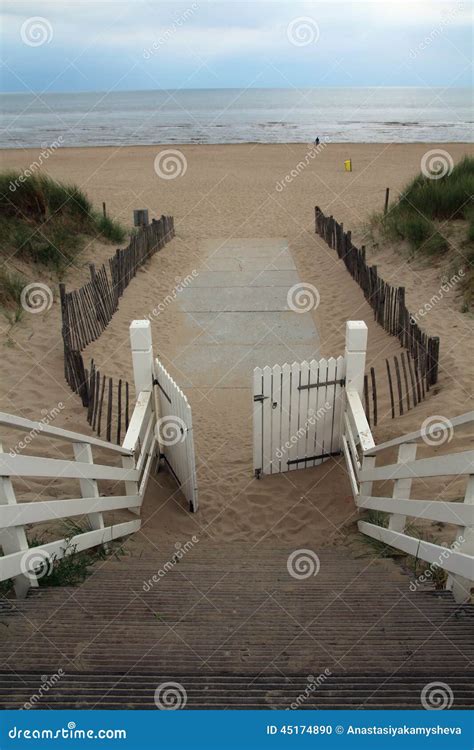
(339, 403)
(350, 468)
(435, 510)
(257, 421)
(314, 396)
(140, 414)
(327, 397)
(276, 419)
(389, 375)
(33, 466)
(402, 487)
(302, 451)
(285, 414)
(352, 446)
(89, 487)
(359, 422)
(450, 560)
(47, 510)
(267, 420)
(10, 565)
(294, 414)
(19, 423)
(440, 427)
(451, 464)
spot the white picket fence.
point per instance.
(19, 561)
(175, 434)
(173, 426)
(298, 408)
(141, 446)
(361, 455)
(297, 414)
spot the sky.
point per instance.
(103, 45)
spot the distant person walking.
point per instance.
(316, 143)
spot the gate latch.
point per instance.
(260, 397)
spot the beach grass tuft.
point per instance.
(424, 214)
(48, 222)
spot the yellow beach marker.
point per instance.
(348, 165)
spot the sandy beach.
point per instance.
(242, 191)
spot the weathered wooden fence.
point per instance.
(405, 388)
(87, 311)
(387, 301)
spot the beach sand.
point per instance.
(242, 191)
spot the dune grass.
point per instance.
(424, 215)
(46, 222)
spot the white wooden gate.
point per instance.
(297, 414)
(174, 429)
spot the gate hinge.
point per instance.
(260, 397)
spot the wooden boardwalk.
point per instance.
(235, 629)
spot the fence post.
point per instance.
(354, 354)
(402, 487)
(142, 355)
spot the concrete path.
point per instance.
(237, 315)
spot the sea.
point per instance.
(365, 115)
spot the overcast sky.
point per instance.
(97, 45)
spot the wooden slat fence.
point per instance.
(387, 302)
(87, 311)
(399, 388)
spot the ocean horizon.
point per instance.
(220, 116)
